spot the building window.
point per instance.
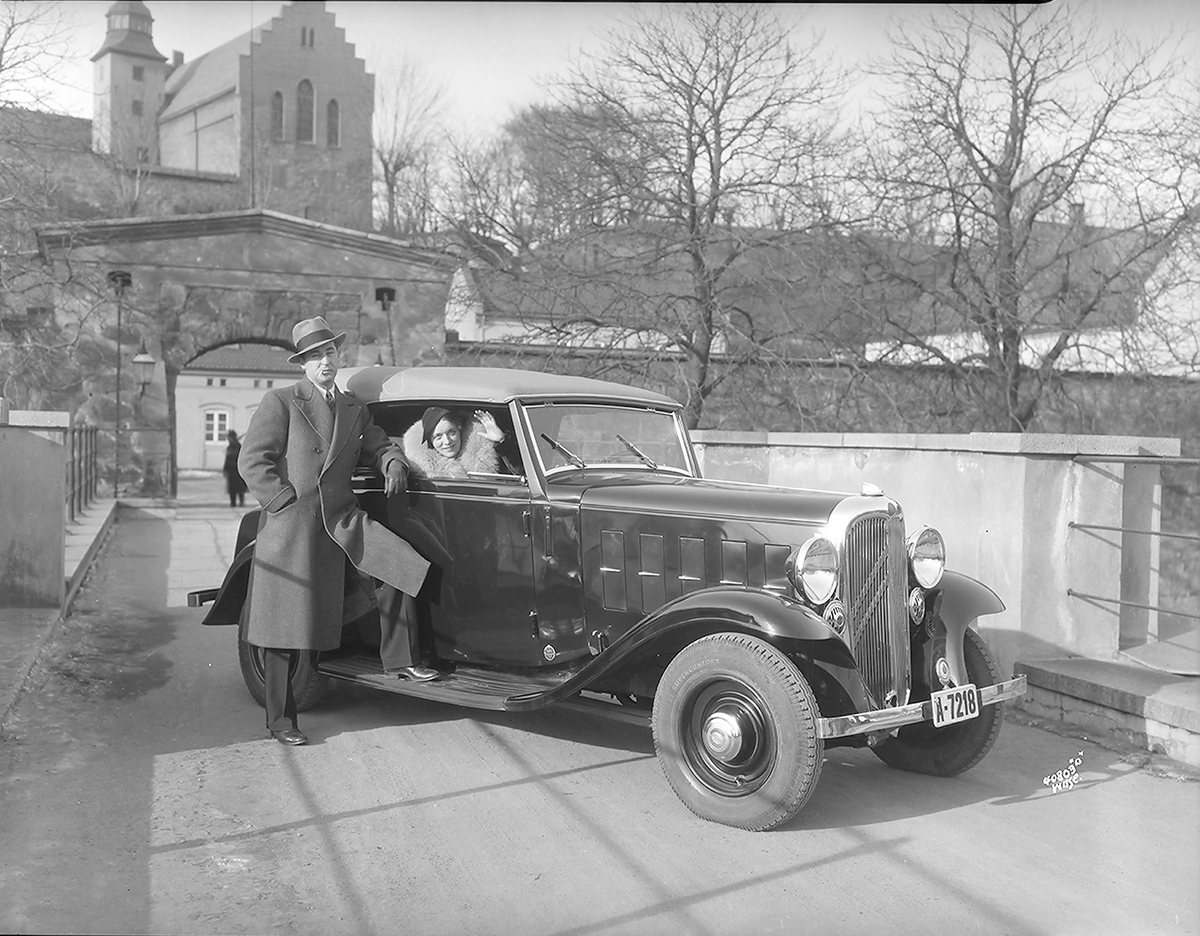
(277, 115)
(303, 36)
(216, 425)
(139, 72)
(304, 112)
(137, 108)
(208, 382)
(222, 381)
(333, 129)
(257, 383)
(270, 384)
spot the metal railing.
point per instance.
(82, 469)
(1163, 461)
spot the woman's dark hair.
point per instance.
(232, 437)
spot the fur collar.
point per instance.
(478, 454)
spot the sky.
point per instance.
(490, 56)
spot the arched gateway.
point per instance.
(202, 281)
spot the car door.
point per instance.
(478, 605)
(483, 611)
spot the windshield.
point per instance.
(571, 436)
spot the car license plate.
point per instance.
(954, 705)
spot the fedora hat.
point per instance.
(310, 334)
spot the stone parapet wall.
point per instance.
(1005, 504)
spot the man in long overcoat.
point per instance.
(298, 454)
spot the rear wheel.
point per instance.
(945, 752)
(308, 686)
(735, 732)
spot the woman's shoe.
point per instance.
(415, 673)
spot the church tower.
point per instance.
(127, 80)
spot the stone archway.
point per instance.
(200, 281)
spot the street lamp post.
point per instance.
(120, 280)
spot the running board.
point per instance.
(468, 686)
(476, 688)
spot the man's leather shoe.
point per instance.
(290, 736)
(415, 673)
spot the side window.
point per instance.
(216, 425)
(402, 421)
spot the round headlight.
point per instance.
(927, 556)
(814, 569)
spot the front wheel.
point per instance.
(946, 752)
(735, 730)
(308, 686)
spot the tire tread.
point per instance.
(782, 672)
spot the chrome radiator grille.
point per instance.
(873, 586)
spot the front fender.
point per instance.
(748, 610)
(963, 599)
(744, 608)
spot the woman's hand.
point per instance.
(487, 422)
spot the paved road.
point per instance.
(138, 793)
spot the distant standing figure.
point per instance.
(233, 478)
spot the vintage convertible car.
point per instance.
(751, 626)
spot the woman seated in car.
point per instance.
(447, 444)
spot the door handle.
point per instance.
(527, 523)
(547, 534)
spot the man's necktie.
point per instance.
(329, 398)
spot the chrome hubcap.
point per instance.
(727, 738)
(723, 735)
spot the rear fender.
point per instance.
(247, 530)
(963, 599)
(227, 609)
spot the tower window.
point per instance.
(333, 129)
(277, 116)
(137, 108)
(308, 37)
(304, 112)
(139, 72)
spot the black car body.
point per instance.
(750, 625)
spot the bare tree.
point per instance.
(1027, 178)
(686, 145)
(33, 44)
(407, 123)
(39, 361)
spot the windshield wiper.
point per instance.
(638, 452)
(570, 456)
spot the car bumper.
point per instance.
(888, 719)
